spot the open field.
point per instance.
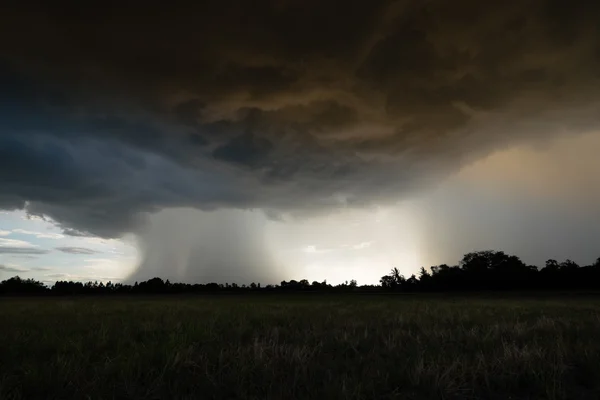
(309, 347)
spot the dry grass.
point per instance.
(406, 347)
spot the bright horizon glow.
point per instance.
(349, 244)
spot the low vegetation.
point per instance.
(311, 346)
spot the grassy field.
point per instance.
(303, 347)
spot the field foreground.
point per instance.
(308, 347)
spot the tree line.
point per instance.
(477, 271)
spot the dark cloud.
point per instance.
(77, 250)
(287, 105)
(75, 232)
(246, 149)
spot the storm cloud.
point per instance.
(112, 113)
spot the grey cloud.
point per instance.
(76, 250)
(12, 269)
(78, 278)
(22, 250)
(39, 235)
(75, 232)
(24, 256)
(59, 275)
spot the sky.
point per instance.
(32, 247)
(270, 140)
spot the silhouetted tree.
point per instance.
(394, 280)
(481, 270)
(18, 286)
